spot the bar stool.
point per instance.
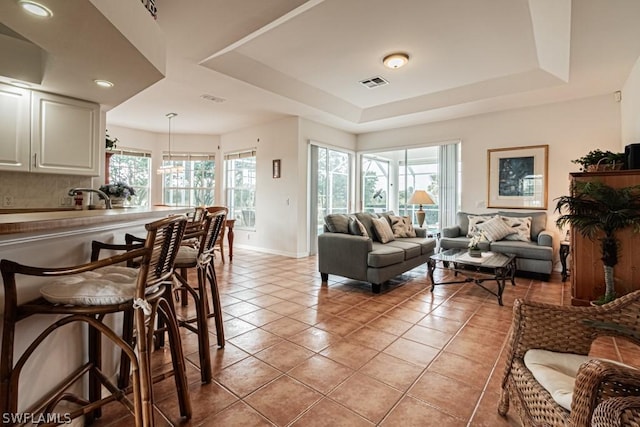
(220, 241)
(80, 294)
(201, 258)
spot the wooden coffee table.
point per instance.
(490, 266)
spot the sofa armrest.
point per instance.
(451, 231)
(545, 238)
(421, 232)
(344, 255)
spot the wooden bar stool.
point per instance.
(200, 257)
(79, 294)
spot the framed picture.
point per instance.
(518, 177)
(276, 168)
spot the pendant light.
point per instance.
(166, 169)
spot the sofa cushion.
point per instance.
(426, 245)
(521, 227)
(337, 223)
(474, 220)
(460, 242)
(538, 220)
(495, 229)
(356, 227)
(411, 249)
(529, 250)
(402, 226)
(366, 219)
(383, 255)
(383, 229)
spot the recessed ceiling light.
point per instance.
(36, 8)
(103, 83)
(395, 60)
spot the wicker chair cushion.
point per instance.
(187, 257)
(104, 286)
(556, 372)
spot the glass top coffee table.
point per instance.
(489, 266)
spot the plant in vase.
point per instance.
(118, 191)
(474, 244)
(598, 212)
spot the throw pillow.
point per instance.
(383, 230)
(337, 223)
(521, 227)
(402, 226)
(357, 228)
(495, 229)
(474, 220)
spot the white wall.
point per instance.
(630, 115)
(571, 129)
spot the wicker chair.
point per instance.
(617, 412)
(143, 291)
(220, 240)
(568, 330)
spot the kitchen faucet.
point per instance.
(107, 200)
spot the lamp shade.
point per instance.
(421, 197)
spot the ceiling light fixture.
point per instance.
(169, 167)
(395, 60)
(36, 8)
(103, 83)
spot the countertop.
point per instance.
(12, 223)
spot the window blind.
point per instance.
(240, 154)
(130, 152)
(188, 156)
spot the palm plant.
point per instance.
(598, 211)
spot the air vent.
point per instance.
(374, 82)
(212, 98)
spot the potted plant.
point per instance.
(599, 212)
(598, 160)
(110, 142)
(118, 192)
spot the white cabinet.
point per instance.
(45, 133)
(15, 119)
(65, 135)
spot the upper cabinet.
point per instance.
(45, 133)
(15, 121)
(64, 135)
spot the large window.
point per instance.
(194, 185)
(132, 168)
(375, 183)
(240, 170)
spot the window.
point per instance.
(194, 185)
(375, 184)
(132, 168)
(240, 169)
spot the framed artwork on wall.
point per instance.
(518, 177)
(277, 164)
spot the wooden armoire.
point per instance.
(587, 273)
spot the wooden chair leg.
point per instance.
(177, 358)
(127, 335)
(203, 337)
(215, 301)
(95, 359)
(144, 361)
(184, 301)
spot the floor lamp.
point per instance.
(421, 197)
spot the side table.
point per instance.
(565, 248)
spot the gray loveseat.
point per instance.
(343, 251)
(534, 256)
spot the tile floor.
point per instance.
(302, 354)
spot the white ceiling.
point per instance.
(275, 58)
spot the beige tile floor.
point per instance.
(302, 354)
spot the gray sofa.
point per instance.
(343, 252)
(535, 256)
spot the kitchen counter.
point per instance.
(13, 223)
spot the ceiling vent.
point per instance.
(374, 82)
(212, 98)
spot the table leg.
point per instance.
(564, 252)
(431, 265)
(230, 240)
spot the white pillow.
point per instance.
(474, 220)
(495, 229)
(402, 226)
(104, 286)
(383, 229)
(521, 227)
